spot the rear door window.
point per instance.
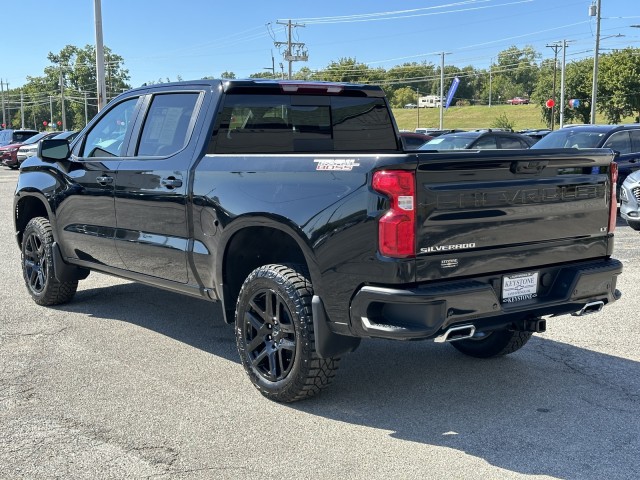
(485, 143)
(635, 140)
(620, 142)
(168, 124)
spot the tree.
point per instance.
(578, 80)
(517, 70)
(415, 75)
(619, 84)
(76, 68)
(402, 96)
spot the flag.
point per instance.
(452, 91)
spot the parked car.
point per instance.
(411, 105)
(69, 135)
(518, 101)
(535, 134)
(623, 139)
(478, 140)
(413, 141)
(28, 149)
(9, 153)
(630, 200)
(10, 136)
(436, 132)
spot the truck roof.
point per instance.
(290, 87)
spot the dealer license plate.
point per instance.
(522, 286)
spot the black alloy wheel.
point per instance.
(274, 335)
(270, 335)
(37, 265)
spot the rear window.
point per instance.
(449, 142)
(302, 123)
(22, 136)
(571, 138)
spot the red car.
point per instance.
(413, 141)
(518, 101)
(9, 153)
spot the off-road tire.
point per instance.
(274, 335)
(493, 344)
(37, 265)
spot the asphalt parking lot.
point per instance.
(128, 381)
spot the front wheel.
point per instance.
(493, 344)
(274, 335)
(37, 265)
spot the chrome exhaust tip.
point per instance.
(456, 333)
(589, 308)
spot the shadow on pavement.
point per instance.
(550, 409)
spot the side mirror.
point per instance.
(53, 150)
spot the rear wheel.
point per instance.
(274, 335)
(493, 344)
(37, 265)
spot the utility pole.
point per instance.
(4, 120)
(86, 112)
(64, 119)
(22, 109)
(594, 87)
(490, 80)
(555, 47)
(102, 88)
(562, 83)
(301, 54)
(51, 111)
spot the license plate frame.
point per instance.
(519, 287)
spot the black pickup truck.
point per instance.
(295, 206)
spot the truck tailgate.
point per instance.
(494, 211)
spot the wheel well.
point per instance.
(249, 249)
(26, 209)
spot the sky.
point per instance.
(192, 39)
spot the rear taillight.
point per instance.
(396, 228)
(613, 212)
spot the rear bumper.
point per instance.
(427, 311)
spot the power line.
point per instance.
(300, 55)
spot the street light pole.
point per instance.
(555, 47)
(490, 80)
(562, 81)
(418, 107)
(594, 88)
(442, 90)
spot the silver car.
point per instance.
(630, 200)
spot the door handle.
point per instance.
(104, 181)
(171, 182)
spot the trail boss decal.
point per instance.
(336, 164)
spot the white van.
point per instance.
(429, 101)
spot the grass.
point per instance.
(473, 117)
